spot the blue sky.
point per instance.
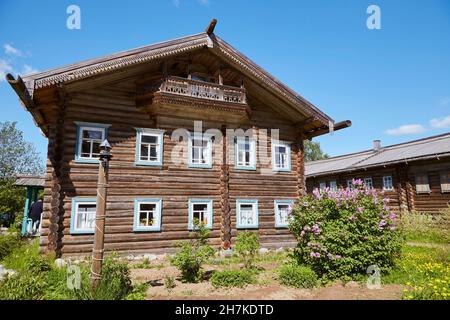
(393, 83)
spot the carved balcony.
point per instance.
(194, 99)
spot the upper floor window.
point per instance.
(282, 211)
(147, 215)
(333, 185)
(368, 183)
(445, 181)
(201, 210)
(200, 152)
(422, 185)
(82, 218)
(149, 146)
(387, 183)
(246, 213)
(245, 151)
(281, 156)
(89, 138)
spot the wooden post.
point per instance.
(100, 215)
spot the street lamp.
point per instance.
(100, 215)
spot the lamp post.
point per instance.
(99, 232)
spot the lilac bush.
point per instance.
(341, 233)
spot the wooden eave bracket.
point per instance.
(326, 129)
(21, 89)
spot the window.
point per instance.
(282, 210)
(445, 181)
(147, 215)
(333, 185)
(422, 185)
(246, 214)
(149, 146)
(350, 184)
(368, 183)
(201, 209)
(322, 185)
(82, 220)
(245, 153)
(200, 152)
(89, 138)
(281, 156)
(387, 183)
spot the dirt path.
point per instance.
(268, 289)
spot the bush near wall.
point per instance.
(341, 233)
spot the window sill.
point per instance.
(200, 166)
(81, 232)
(148, 164)
(249, 168)
(91, 161)
(246, 227)
(282, 170)
(144, 229)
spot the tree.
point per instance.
(313, 151)
(17, 156)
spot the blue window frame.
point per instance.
(82, 217)
(147, 214)
(149, 147)
(89, 137)
(200, 151)
(201, 209)
(282, 210)
(281, 156)
(245, 153)
(246, 214)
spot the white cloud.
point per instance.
(444, 102)
(440, 123)
(203, 2)
(176, 3)
(27, 69)
(406, 129)
(10, 50)
(5, 68)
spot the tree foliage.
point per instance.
(313, 151)
(17, 156)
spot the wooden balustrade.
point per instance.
(203, 90)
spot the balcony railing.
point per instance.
(203, 90)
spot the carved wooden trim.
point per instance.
(225, 229)
(301, 178)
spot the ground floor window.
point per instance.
(202, 210)
(368, 183)
(422, 185)
(246, 213)
(445, 181)
(83, 215)
(147, 215)
(282, 210)
(387, 183)
(333, 185)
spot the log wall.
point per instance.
(174, 182)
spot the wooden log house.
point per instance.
(414, 175)
(139, 100)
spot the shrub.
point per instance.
(169, 283)
(23, 286)
(247, 245)
(8, 243)
(293, 275)
(192, 254)
(232, 278)
(341, 233)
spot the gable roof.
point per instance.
(117, 61)
(30, 180)
(427, 148)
